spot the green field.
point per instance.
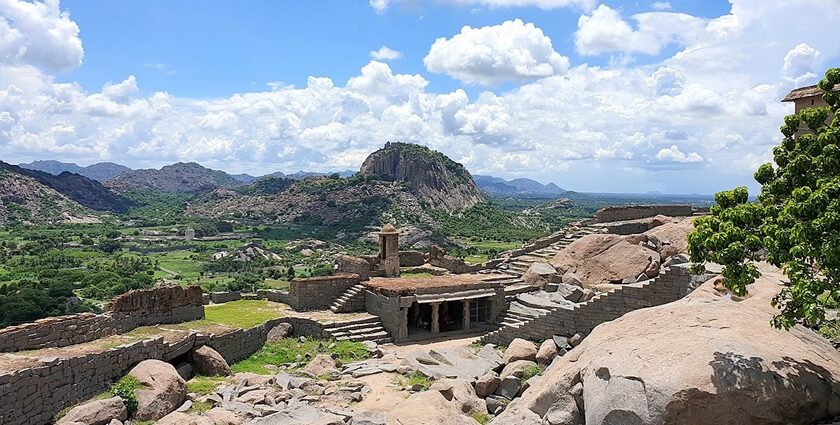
(244, 313)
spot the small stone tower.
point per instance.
(389, 250)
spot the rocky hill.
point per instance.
(87, 192)
(25, 199)
(436, 180)
(179, 177)
(100, 172)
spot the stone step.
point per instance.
(365, 337)
(511, 272)
(336, 325)
(358, 331)
(356, 326)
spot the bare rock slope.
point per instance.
(704, 359)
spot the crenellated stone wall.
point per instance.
(355, 265)
(166, 304)
(412, 258)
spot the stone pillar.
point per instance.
(466, 315)
(435, 318)
(403, 323)
(389, 250)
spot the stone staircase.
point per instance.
(518, 265)
(367, 329)
(351, 300)
(525, 321)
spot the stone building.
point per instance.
(189, 233)
(389, 250)
(424, 307)
(805, 97)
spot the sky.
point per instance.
(674, 96)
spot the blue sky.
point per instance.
(228, 47)
(594, 95)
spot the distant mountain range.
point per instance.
(100, 172)
(105, 171)
(519, 187)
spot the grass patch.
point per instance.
(531, 371)
(476, 258)
(410, 275)
(417, 380)
(277, 283)
(203, 385)
(244, 313)
(481, 418)
(288, 351)
(200, 407)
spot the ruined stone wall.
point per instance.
(387, 308)
(317, 293)
(356, 265)
(224, 297)
(412, 258)
(670, 286)
(33, 395)
(168, 304)
(164, 304)
(634, 212)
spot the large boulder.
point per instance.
(96, 412)
(322, 365)
(732, 367)
(428, 408)
(547, 352)
(520, 349)
(162, 389)
(282, 330)
(605, 258)
(540, 273)
(673, 234)
(221, 416)
(208, 362)
(487, 384)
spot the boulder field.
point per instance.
(707, 358)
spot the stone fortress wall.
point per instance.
(671, 285)
(167, 304)
(635, 212)
(33, 395)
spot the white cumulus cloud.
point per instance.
(38, 34)
(385, 54)
(661, 5)
(606, 31)
(674, 154)
(511, 51)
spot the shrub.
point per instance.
(126, 389)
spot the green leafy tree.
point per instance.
(795, 222)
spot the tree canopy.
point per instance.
(795, 221)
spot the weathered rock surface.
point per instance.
(428, 408)
(221, 416)
(604, 258)
(97, 412)
(450, 363)
(461, 393)
(208, 362)
(733, 367)
(520, 349)
(179, 418)
(163, 389)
